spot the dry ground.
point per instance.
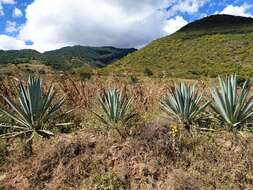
(88, 157)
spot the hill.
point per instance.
(67, 57)
(78, 56)
(18, 56)
(218, 44)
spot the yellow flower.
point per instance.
(174, 130)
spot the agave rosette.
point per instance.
(184, 103)
(233, 104)
(33, 110)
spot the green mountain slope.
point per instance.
(18, 56)
(219, 44)
(78, 56)
(67, 57)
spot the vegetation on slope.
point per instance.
(67, 57)
(78, 56)
(18, 56)
(218, 44)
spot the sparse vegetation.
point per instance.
(219, 48)
(154, 151)
(85, 158)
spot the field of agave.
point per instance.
(34, 108)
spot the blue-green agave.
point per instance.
(33, 110)
(183, 103)
(116, 112)
(233, 104)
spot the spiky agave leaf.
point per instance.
(115, 108)
(233, 104)
(184, 103)
(33, 110)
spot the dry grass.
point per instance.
(84, 160)
(92, 158)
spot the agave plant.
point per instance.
(183, 103)
(33, 110)
(116, 111)
(233, 104)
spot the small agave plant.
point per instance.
(116, 112)
(32, 112)
(233, 104)
(183, 103)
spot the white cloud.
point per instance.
(117, 23)
(17, 12)
(9, 43)
(175, 24)
(237, 10)
(11, 27)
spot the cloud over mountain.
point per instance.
(93, 22)
(51, 24)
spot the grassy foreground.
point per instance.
(157, 154)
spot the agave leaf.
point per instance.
(21, 116)
(13, 127)
(233, 106)
(13, 134)
(45, 133)
(15, 118)
(64, 124)
(53, 111)
(31, 137)
(101, 118)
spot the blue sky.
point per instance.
(50, 24)
(8, 9)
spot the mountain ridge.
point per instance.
(218, 21)
(67, 57)
(195, 52)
